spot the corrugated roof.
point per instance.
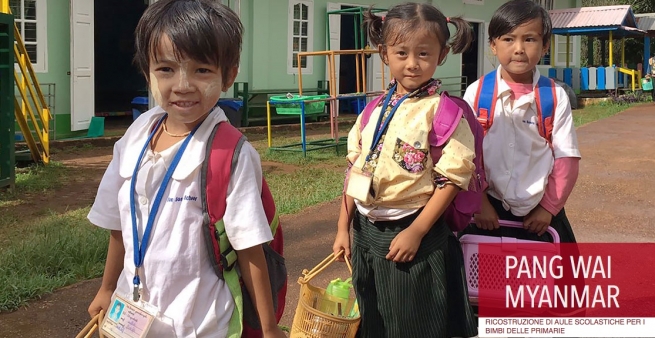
(593, 17)
(646, 22)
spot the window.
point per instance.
(560, 42)
(559, 52)
(547, 4)
(30, 18)
(301, 35)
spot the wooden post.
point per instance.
(623, 51)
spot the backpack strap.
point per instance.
(445, 120)
(546, 101)
(485, 100)
(368, 110)
(218, 171)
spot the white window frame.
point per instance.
(473, 2)
(41, 66)
(309, 67)
(575, 53)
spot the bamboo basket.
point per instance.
(92, 326)
(312, 318)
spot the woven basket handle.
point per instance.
(320, 267)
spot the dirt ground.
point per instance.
(612, 202)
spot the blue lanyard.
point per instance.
(140, 250)
(381, 131)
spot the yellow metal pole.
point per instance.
(611, 50)
(568, 50)
(4, 6)
(268, 122)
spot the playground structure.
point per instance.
(305, 106)
(30, 110)
(604, 23)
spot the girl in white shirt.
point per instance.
(530, 177)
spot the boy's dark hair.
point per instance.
(202, 30)
(404, 20)
(515, 13)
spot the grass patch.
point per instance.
(305, 187)
(34, 179)
(58, 250)
(597, 112)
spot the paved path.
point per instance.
(612, 202)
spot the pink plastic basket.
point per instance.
(494, 279)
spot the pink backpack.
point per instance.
(459, 213)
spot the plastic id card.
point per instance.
(127, 319)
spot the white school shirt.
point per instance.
(177, 276)
(517, 159)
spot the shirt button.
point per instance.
(511, 145)
(143, 200)
(507, 172)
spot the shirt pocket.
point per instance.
(411, 152)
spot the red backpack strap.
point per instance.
(445, 121)
(368, 110)
(220, 159)
(485, 100)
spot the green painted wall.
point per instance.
(267, 47)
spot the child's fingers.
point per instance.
(393, 251)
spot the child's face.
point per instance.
(186, 89)
(414, 61)
(519, 51)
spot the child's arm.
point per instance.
(565, 168)
(560, 184)
(113, 269)
(347, 210)
(456, 165)
(252, 265)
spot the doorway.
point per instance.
(471, 57)
(347, 76)
(117, 80)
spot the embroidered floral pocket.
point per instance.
(410, 157)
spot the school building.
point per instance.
(81, 50)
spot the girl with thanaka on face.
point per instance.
(407, 265)
(189, 51)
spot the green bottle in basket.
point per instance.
(340, 290)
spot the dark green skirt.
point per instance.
(426, 297)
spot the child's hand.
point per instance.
(100, 302)
(538, 220)
(342, 242)
(487, 219)
(403, 248)
(275, 333)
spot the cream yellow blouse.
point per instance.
(396, 181)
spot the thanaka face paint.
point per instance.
(186, 89)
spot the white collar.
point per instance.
(503, 87)
(137, 134)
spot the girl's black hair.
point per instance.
(202, 30)
(515, 13)
(404, 20)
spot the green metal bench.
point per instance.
(243, 92)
